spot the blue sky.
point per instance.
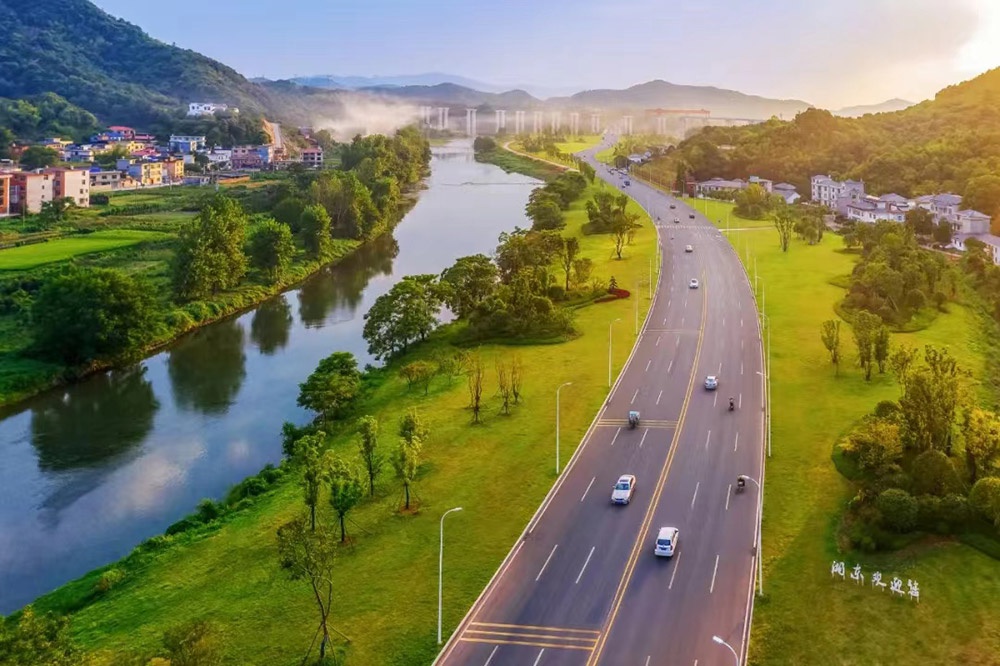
(827, 52)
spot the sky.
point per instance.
(831, 53)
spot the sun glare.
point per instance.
(982, 52)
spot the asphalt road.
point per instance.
(582, 585)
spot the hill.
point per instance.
(658, 93)
(887, 106)
(948, 144)
(450, 93)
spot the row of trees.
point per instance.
(546, 204)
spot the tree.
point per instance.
(582, 268)
(880, 347)
(272, 249)
(784, 222)
(753, 203)
(371, 457)
(901, 361)
(408, 312)
(412, 428)
(55, 212)
(876, 445)
(418, 372)
(544, 209)
(345, 490)
(920, 220)
(332, 386)
(516, 377)
(210, 255)
(309, 555)
(468, 282)
(830, 333)
(503, 384)
(37, 639)
(981, 431)
(865, 327)
(88, 314)
(898, 509)
(982, 193)
(195, 643)
(38, 157)
(315, 230)
(406, 462)
(289, 211)
(475, 381)
(984, 498)
(933, 474)
(623, 227)
(308, 451)
(943, 233)
(932, 395)
(570, 248)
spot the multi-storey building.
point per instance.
(4, 194)
(71, 183)
(313, 156)
(836, 194)
(29, 190)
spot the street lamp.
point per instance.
(441, 568)
(557, 424)
(767, 378)
(716, 639)
(610, 327)
(760, 549)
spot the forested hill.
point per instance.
(948, 144)
(116, 71)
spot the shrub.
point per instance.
(110, 579)
(955, 511)
(929, 514)
(557, 292)
(182, 525)
(208, 510)
(153, 543)
(933, 474)
(886, 409)
(985, 499)
(898, 508)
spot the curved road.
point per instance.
(582, 586)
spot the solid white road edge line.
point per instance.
(585, 563)
(542, 570)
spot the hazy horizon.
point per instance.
(832, 54)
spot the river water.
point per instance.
(89, 471)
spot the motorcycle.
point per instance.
(732, 405)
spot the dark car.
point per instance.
(672, 206)
(691, 216)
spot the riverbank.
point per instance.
(805, 496)
(385, 582)
(512, 162)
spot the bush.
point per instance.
(887, 409)
(985, 499)
(557, 292)
(929, 514)
(208, 510)
(182, 525)
(955, 511)
(933, 474)
(153, 543)
(110, 579)
(898, 508)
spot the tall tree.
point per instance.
(371, 457)
(981, 432)
(920, 220)
(982, 193)
(880, 347)
(933, 393)
(346, 490)
(476, 375)
(830, 333)
(623, 227)
(406, 463)
(865, 326)
(308, 450)
(315, 229)
(407, 313)
(784, 222)
(468, 282)
(332, 386)
(570, 249)
(38, 157)
(210, 255)
(272, 249)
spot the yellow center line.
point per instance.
(493, 641)
(595, 655)
(534, 626)
(591, 640)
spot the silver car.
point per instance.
(622, 492)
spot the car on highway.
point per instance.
(711, 382)
(624, 487)
(672, 206)
(688, 248)
(693, 284)
(666, 541)
(627, 183)
(691, 215)
(677, 220)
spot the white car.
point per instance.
(693, 284)
(689, 248)
(711, 382)
(622, 492)
(666, 541)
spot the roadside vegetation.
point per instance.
(390, 450)
(188, 255)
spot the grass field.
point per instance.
(806, 617)
(582, 143)
(30, 256)
(386, 581)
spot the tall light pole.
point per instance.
(557, 423)
(718, 640)
(638, 286)
(760, 545)
(441, 568)
(610, 327)
(766, 375)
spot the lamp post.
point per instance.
(557, 423)
(610, 327)
(638, 287)
(719, 641)
(760, 549)
(767, 379)
(441, 568)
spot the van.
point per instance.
(666, 541)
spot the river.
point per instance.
(90, 470)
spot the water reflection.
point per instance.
(341, 286)
(271, 324)
(97, 421)
(206, 372)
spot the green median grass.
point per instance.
(30, 256)
(386, 581)
(806, 617)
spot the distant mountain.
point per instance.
(661, 94)
(116, 71)
(429, 79)
(450, 93)
(887, 106)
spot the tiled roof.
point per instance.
(892, 197)
(784, 186)
(947, 199)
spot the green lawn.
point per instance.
(806, 617)
(581, 143)
(30, 256)
(386, 582)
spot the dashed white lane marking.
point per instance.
(741, 323)
(741, 401)
(696, 486)
(647, 659)
(677, 561)
(682, 322)
(714, 571)
(737, 444)
(708, 437)
(542, 570)
(490, 658)
(660, 395)
(720, 368)
(729, 492)
(647, 365)
(715, 400)
(678, 342)
(617, 432)
(585, 563)
(741, 345)
(741, 367)
(634, 396)
(539, 657)
(723, 322)
(641, 441)
(685, 303)
(657, 341)
(588, 489)
(671, 366)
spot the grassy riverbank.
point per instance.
(805, 495)
(385, 582)
(514, 163)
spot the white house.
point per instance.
(716, 185)
(206, 108)
(971, 222)
(835, 194)
(992, 244)
(180, 143)
(787, 192)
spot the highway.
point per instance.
(582, 586)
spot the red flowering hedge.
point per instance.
(613, 295)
